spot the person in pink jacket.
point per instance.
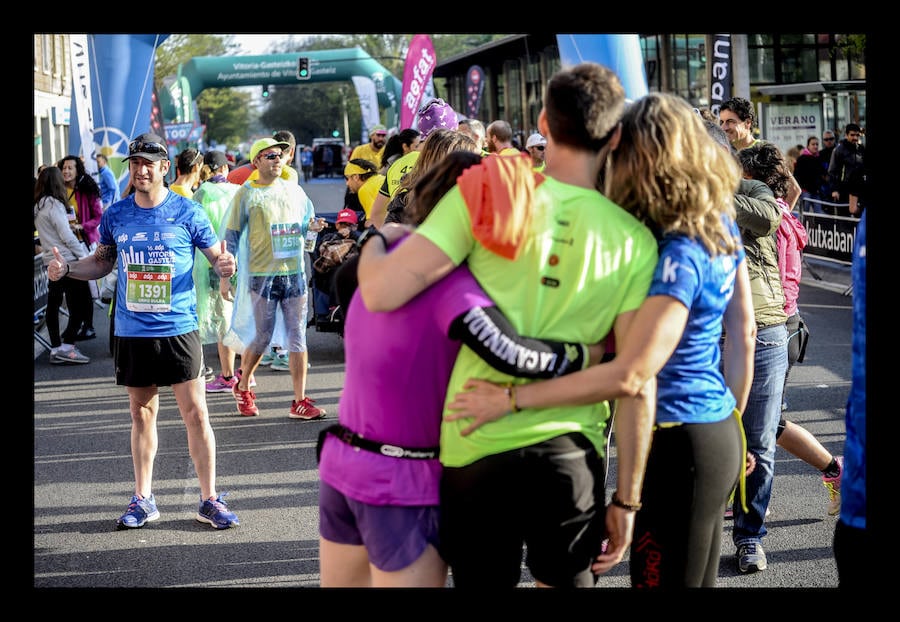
(85, 207)
(765, 162)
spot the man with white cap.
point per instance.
(535, 147)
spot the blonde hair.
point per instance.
(671, 175)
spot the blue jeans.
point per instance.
(760, 420)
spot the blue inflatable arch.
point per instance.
(353, 64)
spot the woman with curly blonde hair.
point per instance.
(669, 173)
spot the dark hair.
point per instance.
(436, 182)
(187, 159)
(50, 183)
(393, 149)
(285, 136)
(584, 104)
(741, 107)
(764, 162)
(852, 127)
(84, 183)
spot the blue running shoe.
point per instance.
(215, 512)
(138, 513)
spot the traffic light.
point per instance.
(303, 68)
(335, 133)
(265, 92)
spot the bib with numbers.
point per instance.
(148, 287)
(287, 239)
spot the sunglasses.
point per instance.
(828, 140)
(272, 156)
(142, 147)
(539, 147)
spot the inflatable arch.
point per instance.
(375, 86)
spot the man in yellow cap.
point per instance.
(265, 227)
(373, 149)
(364, 180)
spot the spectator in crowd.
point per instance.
(379, 514)
(85, 208)
(363, 180)
(737, 119)
(157, 342)
(829, 142)
(535, 147)
(437, 146)
(187, 166)
(109, 186)
(214, 306)
(681, 184)
(810, 174)
(373, 149)
(266, 226)
(846, 159)
(853, 543)
(52, 226)
(400, 154)
(475, 129)
(507, 478)
(499, 138)
(764, 162)
(306, 163)
(435, 114)
(328, 160)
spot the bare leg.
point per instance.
(191, 398)
(343, 565)
(144, 405)
(226, 359)
(800, 442)
(297, 362)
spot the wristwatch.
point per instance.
(367, 235)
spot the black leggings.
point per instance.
(691, 471)
(77, 295)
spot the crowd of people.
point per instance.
(532, 344)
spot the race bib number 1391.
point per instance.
(149, 287)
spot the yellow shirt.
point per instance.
(288, 173)
(368, 152)
(368, 191)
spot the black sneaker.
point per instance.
(85, 334)
(750, 557)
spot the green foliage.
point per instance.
(224, 111)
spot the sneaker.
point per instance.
(208, 374)
(750, 556)
(237, 374)
(221, 385)
(267, 358)
(138, 513)
(833, 484)
(304, 409)
(246, 401)
(281, 362)
(69, 356)
(216, 513)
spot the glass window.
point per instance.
(762, 65)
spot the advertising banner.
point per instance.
(420, 62)
(719, 62)
(83, 115)
(474, 89)
(121, 96)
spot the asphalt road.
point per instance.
(83, 472)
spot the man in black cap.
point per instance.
(153, 234)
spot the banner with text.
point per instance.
(719, 72)
(420, 63)
(82, 111)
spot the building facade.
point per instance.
(52, 98)
(817, 80)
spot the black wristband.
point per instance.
(633, 507)
(367, 235)
(68, 268)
